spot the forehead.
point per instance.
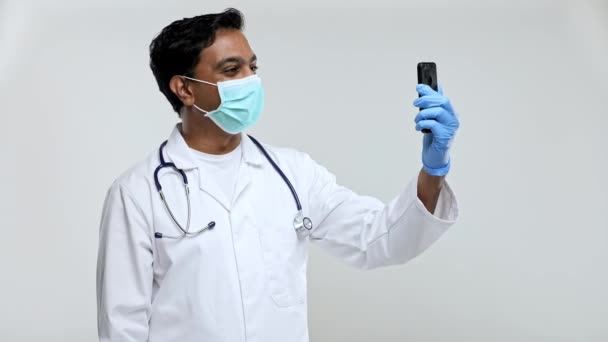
(228, 43)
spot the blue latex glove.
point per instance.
(437, 115)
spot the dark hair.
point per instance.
(176, 49)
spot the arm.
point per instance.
(366, 233)
(429, 188)
(124, 270)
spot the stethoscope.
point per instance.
(301, 224)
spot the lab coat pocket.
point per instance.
(285, 260)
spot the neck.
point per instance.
(202, 134)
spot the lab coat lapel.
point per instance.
(242, 181)
(179, 153)
(208, 184)
(252, 160)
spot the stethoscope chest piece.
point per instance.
(302, 225)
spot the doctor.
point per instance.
(225, 261)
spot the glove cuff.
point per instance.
(442, 171)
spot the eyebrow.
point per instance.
(234, 59)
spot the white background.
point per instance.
(528, 259)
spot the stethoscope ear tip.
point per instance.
(211, 225)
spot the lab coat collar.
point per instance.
(179, 152)
(251, 154)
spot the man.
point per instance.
(226, 260)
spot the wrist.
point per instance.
(437, 171)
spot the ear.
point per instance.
(179, 87)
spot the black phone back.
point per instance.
(427, 74)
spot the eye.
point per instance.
(231, 71)
(254, 68)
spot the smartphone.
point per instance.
(427, 74)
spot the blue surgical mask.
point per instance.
(241, 106)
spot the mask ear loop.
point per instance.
(201, 81)
(199, 108)
(197, 80)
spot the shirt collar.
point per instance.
(179, 152)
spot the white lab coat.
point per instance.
(246, 279)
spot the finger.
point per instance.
(448, 105)
(430, 101)
(434, 101)
(433, 113)
(424, 89)
(429, 124)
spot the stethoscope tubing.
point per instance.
(186, 230)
